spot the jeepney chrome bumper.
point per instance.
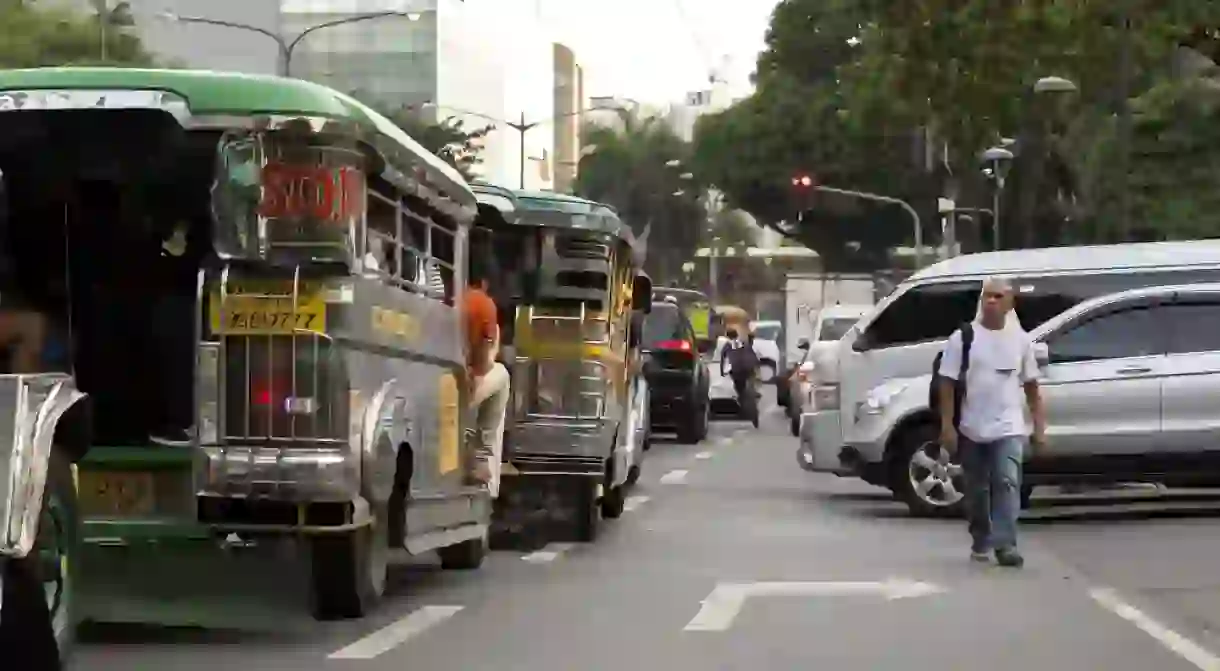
(580, 440)
(294, 474)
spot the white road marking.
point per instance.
(726, 440)
(389, 637)
(674, 477)
(721, 607)
(549, 553)
(1172, 640)
(703, 456)
(634, 502)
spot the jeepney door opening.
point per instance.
(107, 221)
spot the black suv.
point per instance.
(677, 376)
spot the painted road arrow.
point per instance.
(721, 607)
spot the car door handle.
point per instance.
(1133, 370)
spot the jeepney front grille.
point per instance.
(283, 388)
(556, 389)
(582, 247)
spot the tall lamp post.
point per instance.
(287, 46)
(522, 127)
(998, 160)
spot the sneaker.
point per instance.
(981, 557)
(1010, 558)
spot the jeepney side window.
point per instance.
(431, 238)
(382, 251)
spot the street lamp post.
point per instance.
(999, 160)
(522, 127)
(286, 46)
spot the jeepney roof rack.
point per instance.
(544, 208)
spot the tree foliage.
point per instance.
(641, 169)
(848, 91)
(449, 139)
(36, 35)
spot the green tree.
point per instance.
(33, 35)
(641, 169)
(449, 139)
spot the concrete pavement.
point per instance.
(733, 558)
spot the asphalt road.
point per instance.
(732, 558)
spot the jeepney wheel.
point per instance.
(55, 550)
(614, 502)
(464, 556)
(588, 513)
(349, 571)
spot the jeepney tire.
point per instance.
(349, 572)
(693, 427)
(614, 502)
(464, 556)
(59, 508)
(588, 517)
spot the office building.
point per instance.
(569, 108)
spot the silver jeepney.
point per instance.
(573, 439)
(331, 377)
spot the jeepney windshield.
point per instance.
(289, 195)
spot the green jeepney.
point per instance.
(313, 258)
(571, 276)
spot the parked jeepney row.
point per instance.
(304, 263)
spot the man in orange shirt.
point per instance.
(488, 379)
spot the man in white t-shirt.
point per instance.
(1001, 381)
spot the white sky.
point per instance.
(656, 50)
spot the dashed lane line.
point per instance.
(549, 553)
(703, 456)
(398, 632)
(634, 502)
(675, 477)
(1170, 639)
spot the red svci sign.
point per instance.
(320, 192)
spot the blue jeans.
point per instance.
(993, 491)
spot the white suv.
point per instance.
(1131, 383)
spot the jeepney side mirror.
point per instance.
(641, 297)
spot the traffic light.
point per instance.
(802, 191)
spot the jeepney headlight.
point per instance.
(209, 393)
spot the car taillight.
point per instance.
(674, 345)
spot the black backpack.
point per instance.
(959, 386)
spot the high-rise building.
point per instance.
(461, 59)
(569, 108)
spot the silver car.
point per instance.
(1131, 383)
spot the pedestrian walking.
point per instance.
(987, 376)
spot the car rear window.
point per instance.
(835, 328)
(663, 323)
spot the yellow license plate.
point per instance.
(249, 315)
(114, 493)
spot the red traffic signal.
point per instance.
(802, 181)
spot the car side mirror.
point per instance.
(803, 344)
(1042, 353)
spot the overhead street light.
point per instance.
(998, 160)
(286, 46)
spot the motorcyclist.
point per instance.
(742, 368)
